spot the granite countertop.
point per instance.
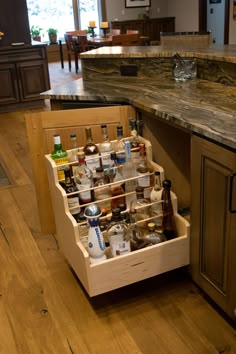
(199, 106)
(226, 53)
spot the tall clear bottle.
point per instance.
(60, 156)
(156, 197)
(103, 191)
(129, 174)
(105, 149)
(145, 181)
(83, 178)
(168, 221)
(118, 235)
(91, 151)
(119, 146)
(142, 207)
(134, 142)
(73, 152)
(136, 235)
(117, 189)
(73, 200)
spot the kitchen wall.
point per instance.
(116, 9)
(232, 26)
(184, 11)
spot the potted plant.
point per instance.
(35, 33)
(52, 34)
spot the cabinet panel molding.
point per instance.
(23, 75)
(213, 236)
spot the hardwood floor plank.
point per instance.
(105, 327)
(39, 320)
(7, 343)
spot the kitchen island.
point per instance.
(192, 128)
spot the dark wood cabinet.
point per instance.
(24, 75)
(14, 22)
(147, 27)
(213, 222)
(9, 92)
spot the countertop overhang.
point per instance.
(199, 106)
(225, 53)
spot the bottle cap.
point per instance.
(73, 135)
(113, 156)
(80, 153)
(166, 183)
(151, 225)
(57, 139)
(103, 126)
(157, 173)
(99, 169)
(139, 189)
(122, 207)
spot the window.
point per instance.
(63, 15)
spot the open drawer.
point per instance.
(119, 271)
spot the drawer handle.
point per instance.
(232, 190)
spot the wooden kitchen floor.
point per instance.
(43, 307)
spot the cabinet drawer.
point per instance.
(120, 271)
(13, 56)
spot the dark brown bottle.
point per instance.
(73, 200)
(91, 152)
(168, 221)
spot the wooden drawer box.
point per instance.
(115, 272)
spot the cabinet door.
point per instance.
(212, 233)
(9, 92)
(33, 79)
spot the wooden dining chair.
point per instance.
(72, 50)
(115, 31)
(78, 32)
(126, 40)
(130, 31)
(83, 44)
(185, 39)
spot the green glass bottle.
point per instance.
(60, 156)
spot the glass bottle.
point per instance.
(154, 237)
(119, 146)
(118, 235)
(72, 154)
(103, 192)
(60, 156)
(129, 171)
(134, 142)
(73, 147)
(73, 200)
(96, 245)
(105, 148)
(142, 169)
(142, 207)
(168, 220)
(156, 197)
(91, 151)
(83, 178)
(117, 189)
(136, 236)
